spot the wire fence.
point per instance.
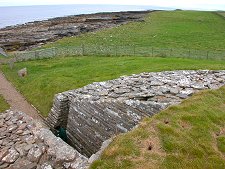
(94, 50)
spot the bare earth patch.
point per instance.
(15, 99)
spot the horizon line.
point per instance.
(156, 6)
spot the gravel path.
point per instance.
(16, 100)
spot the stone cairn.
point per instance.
(26, 145)
(98, 111)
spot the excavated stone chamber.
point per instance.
(98, 111)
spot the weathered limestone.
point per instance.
(25, 145)
(98, 111)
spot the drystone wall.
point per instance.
(26, 145)
(98, 111)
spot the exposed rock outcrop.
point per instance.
(98, 111)
(37, 33)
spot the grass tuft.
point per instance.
(3, 104)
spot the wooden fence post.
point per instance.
(15, 56)
(11, 63)
(152, 52)
(53, 52)
(116, 50)
(134, 50)
(82, 49)
(36, 55)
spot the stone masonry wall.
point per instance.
(59, 111)
(98, 111)
(26, 145)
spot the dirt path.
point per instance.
(16, 100)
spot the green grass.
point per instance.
(221, 143)
(193, 138)
(163, 29)
(48, 77)
(190, 139)
(3, 104)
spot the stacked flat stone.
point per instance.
(24, 145)
(147, 86)
(59, 112)
(100, 110)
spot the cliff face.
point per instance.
(33, 34)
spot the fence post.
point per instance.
(171, 50)
(82, 49)
(16, 57)
(53, 52)
(134, 50)
(207, 56)
(109, 53)
(116, 50)
(152, 52)
(36, 55)
(189, 53)
(67, 51)
(11, 63)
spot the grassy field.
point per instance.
(187, 136)
(3, 105)
(48, 77)
(190, 135)
(164, 29)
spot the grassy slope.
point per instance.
(2, 57)
(185, 29)
(3, 105)
(166, 29)
(48, 77)
(187, 136)
(190, 138)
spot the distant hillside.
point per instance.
(167, 29)
(3, 105)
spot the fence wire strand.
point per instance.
(132, 50)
